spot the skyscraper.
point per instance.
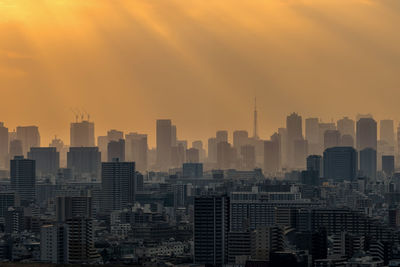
(368, 163)
(23, 179)
(16, 148)
(198, 144)
(294, 133)
(387, 131)
(29, 136)
(82, 134)
(346, 126)
(136, 150)
(388, 165)
(118, 185)
(312, 135)
(272, 155)
(192, 155)
(222, 136)
(115, 135)
(315, 163)
(3, 146)
(211, 226)
(248, 157)
(366, 134)
(212, 150)
(300, 153)
(331, 138)
(116, 149)
(240, 138)
(47, 160)
(225, 155)
(340, 163)
(164, 144)
(84, 161)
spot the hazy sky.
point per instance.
(197, 62)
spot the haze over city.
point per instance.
(128, 63)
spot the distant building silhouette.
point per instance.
(23, 179)
(340, 163)
(16, 148)
(4, 141)
(29, 136)
(164, 144)
(82, 134)
(346, 126)
(192, 155)
(84, 161)
(332, 138)
(347, 140)
(116, 149)
(366, 134)
(388, 164)
(294, 133)
(136, 150)
(368, 163)
(47, 160)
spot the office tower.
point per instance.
(368, 162)
(177, 155)
(116, 149)
(8, 199)
(283, 147)
(387, 132)
(118, 185)
(265, 240)
(74, 215)
(248, 156)
(323, 127)
(192, 170)
(198, 144)
(115, 135)
(366, 134)
(255, 121)
(82, 134)
(47, 160)
(347, 140)
(340, 163)
(29, 136)
(240, 138)
(211, 226)
(300, 153)
(192, 155)
(16, 148)
(346, 126)
(62, 149)
(23, 179)
(102, 144)
(174, 135)
(3, 146)
(363, 116)
(136, 150)
(272, 155)
(164, 144)
(315, 163)
(331, 138)
(212, 150)
(294, 133)
(239, 246)
(222, 136)
(312, 135)
(84, 161)
(388, 165)
(225, 155)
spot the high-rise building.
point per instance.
(62, 149)
(137, 149)
(3, 146)
(174, 135)
(116, 149)
(23, 179)
(387, 132)
(312, 135)
(368, 163)
(16, 148)
(178, 155)
(212, 150)
(102, 144)
(323, 127)
(240, 138)
(315, 163)
(29, 136)
(118, 185)
(198, 144)
(115, 135)
(164, 144)
(346, 126)
(331, 138)
(265, 240)
(283, 147)
(366, 134)
(300, 153)
(225, 155)
(347, 140)
(388, 164)
(340, 163)
(272, 154)
(192, 155)
(47, 160)
(248, 157)
(222, 136)
(211, 226)
(82, 134)
(84, 161)
(294, 133)
(8, 199)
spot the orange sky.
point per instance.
(197, 62)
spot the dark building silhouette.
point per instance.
(388, 164)
(346, 126)
(47, 160)
(340, 163)
(248, 157)
(368, 163)
(211, 226)
(332, 138)
(23, 179)
(366, 134)
(347, 140)
(315, 163)
(136, 150)
(225, 155)
(212, 150)
(272, 155)
(118, 185)
(116, 149)
(192, 170)
(294, 133)
(84, 161)
(16, 148)
(3, 146)
(192, 155)
(300, 153)
(29, 136)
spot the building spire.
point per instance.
(255, 130)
